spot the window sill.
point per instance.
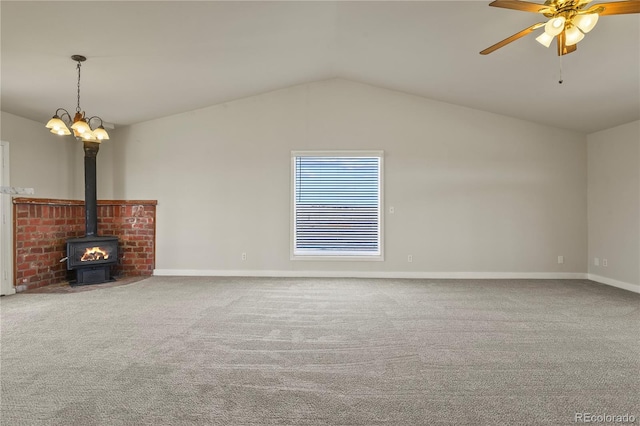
(339, 258)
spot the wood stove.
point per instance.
(91, 256)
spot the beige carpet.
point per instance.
(264, 351)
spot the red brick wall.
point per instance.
(42, 226)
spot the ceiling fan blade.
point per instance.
(616, 8)
(563, 49)
(524, 6)
(512, 38)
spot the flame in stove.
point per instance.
(94, 253)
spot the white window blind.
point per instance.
(337, 204)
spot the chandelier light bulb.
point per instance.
(88, 136)
(57, 126)
(61, 131)
(81, 127)
(554, 26)
(55, 123)
(101, 133)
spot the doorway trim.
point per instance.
(6, 232)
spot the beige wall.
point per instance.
(51, 164)
(614, 203)
(473, 192)
(39, 159)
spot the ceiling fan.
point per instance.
(569, 20)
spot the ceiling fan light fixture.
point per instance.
(586, 22)
(572, 36)
(544, 39)
(555, 26)
(568, 20)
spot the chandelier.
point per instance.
(80, 125)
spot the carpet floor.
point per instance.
(287, 351)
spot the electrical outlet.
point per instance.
(560, 259)
(410, 258)
(596, 261)
(244, 256)
(605, 262)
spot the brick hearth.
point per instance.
(42, 226)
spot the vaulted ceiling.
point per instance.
(150, 59)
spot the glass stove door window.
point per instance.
(337, 205)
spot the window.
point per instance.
(337, 205)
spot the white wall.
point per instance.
(614, 204)
(473, 192)
(51, 164)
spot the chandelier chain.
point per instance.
(78, 107)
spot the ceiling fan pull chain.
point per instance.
(560, 81)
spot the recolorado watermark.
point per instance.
(604, 418)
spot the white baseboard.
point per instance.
(397, 274)
(369, 274)
(9, 292)
(615, 283)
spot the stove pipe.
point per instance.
(90, 188)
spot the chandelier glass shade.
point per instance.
(58, 126)
(80, 125)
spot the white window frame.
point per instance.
(341, 257)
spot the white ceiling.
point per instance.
(152, 59)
